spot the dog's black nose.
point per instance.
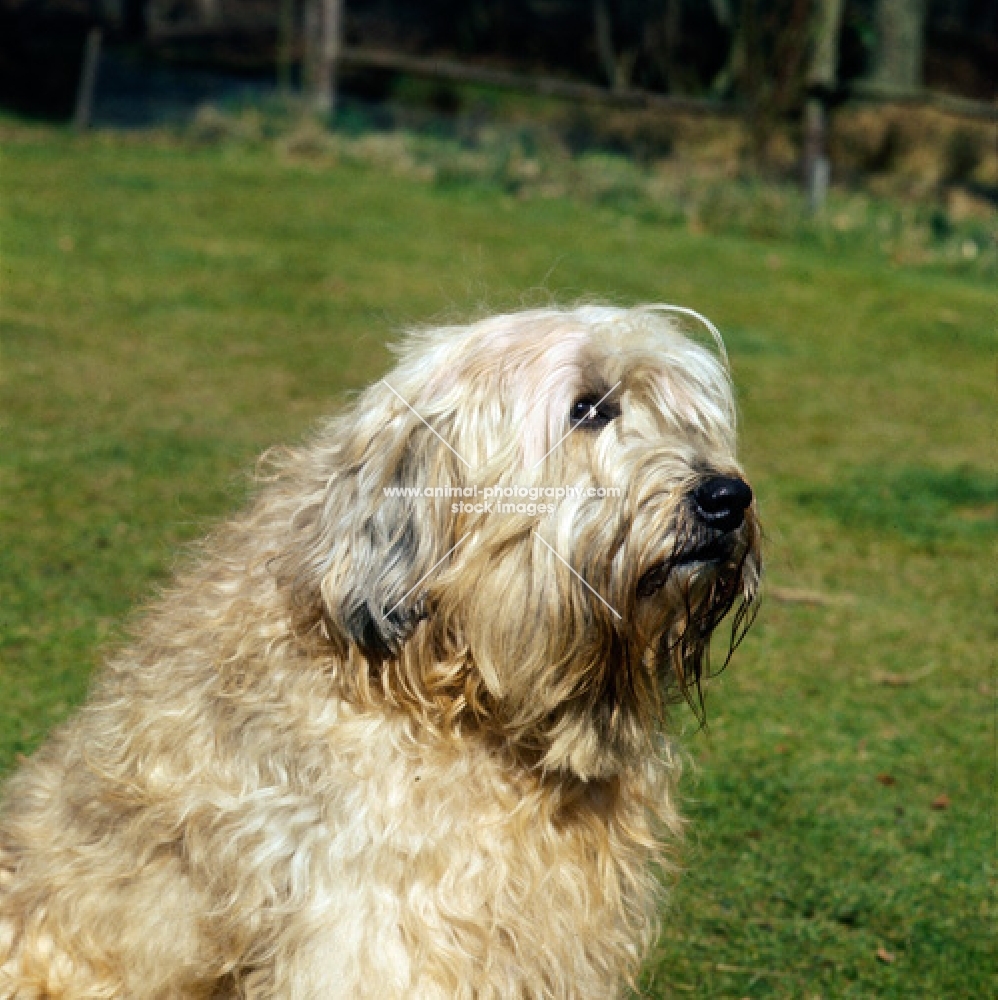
(721, 501)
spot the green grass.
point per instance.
(169, 312)
(922, 504)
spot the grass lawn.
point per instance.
(168, 312)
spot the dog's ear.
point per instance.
(386, 544)
(369, 536)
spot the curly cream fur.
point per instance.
(340, 760)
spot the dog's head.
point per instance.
(535, 523)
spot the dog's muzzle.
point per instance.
(717, 510)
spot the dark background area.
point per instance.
(172, 55)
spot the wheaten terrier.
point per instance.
(398, 732)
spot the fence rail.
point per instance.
(961, 107)
(547, 86)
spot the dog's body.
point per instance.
(386, 747)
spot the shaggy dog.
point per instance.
(384, 743)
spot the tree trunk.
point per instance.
(323, 19)
(823, 66)
(604, 42)
(617, 66)
(209, 12)
(332, 23)
(898, 55)
(88, 80)
(822, 74)
(285, 45)
(673, 27)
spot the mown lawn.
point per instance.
(167, 313)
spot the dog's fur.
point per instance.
(344, 759)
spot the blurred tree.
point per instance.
(637, 34)
(826, 22)
(209, 12)
(900, 26)
(768, 64)
(734, 64)
(327, 51)
(822, 74)
(617, 62)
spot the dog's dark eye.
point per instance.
(591, 413)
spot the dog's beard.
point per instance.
(706, 577)
(622, 698)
